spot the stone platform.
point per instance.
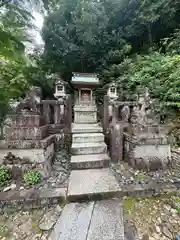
(90, 221)
(92, 184)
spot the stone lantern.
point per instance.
(112, 91)
(60, 92)
(112, 94)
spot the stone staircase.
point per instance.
(101, 216)
(91, 177)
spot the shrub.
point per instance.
(5, 175)
(32, 178)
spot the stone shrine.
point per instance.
(89, 151)
(85, 108)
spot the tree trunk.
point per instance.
(2, 131)
(149, 34)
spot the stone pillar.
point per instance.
(57, 113)
(116, 143)
(67, 122)
(106, 113)
(46, 113)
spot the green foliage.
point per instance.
(5, 175)
(4, 230)
(32, 177)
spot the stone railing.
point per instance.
(57, 114)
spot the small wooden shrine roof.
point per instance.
(85, 79)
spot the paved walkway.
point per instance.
(90, 180)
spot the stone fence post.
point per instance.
(116, 142)
(68, 122)
(106, 113)
(46, 113)
(57, 113)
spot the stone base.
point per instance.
(26, 133)
(85, 117)
(149, 157)
(43, 157)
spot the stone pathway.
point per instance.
(90, 221)
(91, 179)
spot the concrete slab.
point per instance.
(88, 137)
(107, 221)
(73, 223)
(86, 128)
(90, 161)
(88, 148)
(92, 184)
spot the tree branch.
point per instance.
(4, 3)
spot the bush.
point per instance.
(5, 175)
(32, 178)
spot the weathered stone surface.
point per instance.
(32, 198)
(85, 116)
(88, 148)
(86, 128)
(50, 218)
(92, 183)
(26, 133)
(90, 161)
(73, 223)
(107, 221)
(88, 137)
(27, 120)
(29, 144)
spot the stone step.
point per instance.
(87, 137)
(88, 148)
(90, 221)
(90, 161)
(92, 184)
(86, 128)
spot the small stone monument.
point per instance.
(85, 110)
(148, 147)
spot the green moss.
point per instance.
(140, 176)
(4, 230)
(129, 204)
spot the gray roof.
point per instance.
(85, 78)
